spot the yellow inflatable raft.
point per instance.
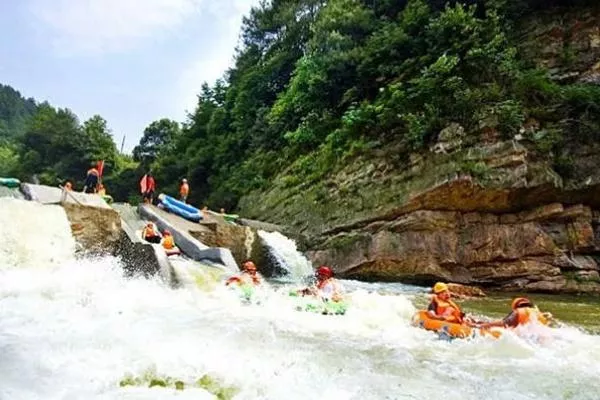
(452, 330)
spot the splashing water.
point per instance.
(75, 330)
(286, 255)
(46, 241)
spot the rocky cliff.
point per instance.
(479, 208)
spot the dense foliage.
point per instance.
(15, 112)
(43, 143)
(317, 82)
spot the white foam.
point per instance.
(75, 329)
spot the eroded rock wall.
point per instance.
(549, 248)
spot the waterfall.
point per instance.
(286, 255)
(33, 235)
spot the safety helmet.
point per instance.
(520, 302)
(184, 180)
(440, 287)
(324, 271)
(249, 266)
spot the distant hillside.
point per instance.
(15, 112)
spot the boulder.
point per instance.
(463, 291)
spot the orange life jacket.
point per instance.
(168, 242)
(447, 309)
(184, 189)
(148, 232)
(526, 315)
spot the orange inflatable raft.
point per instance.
(452, 330)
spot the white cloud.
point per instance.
(105, 26)
(208, 67)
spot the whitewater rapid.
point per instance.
(74, 328)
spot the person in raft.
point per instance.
(150, 234)
(184, 190)
(523, 312)
(249, 276)
(147, 187)
(91, 180)
(168, 242)
(443, 308)
(326, 288)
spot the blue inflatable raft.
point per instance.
(180, 208)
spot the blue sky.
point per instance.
(131, 61)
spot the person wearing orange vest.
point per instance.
(147, 187)
(326, 288)
(443, 308)
(249, 276)
(184, 190)
(523, 312)
(168, 241)
(149, 234)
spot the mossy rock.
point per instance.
(151, 379)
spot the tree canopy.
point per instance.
(317, 82)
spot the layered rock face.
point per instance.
(549, 248)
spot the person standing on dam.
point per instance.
(184, 190)
(147, 187)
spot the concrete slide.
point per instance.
(191, 246)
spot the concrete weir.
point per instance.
(98, 227)
(94, 224)
(192, 247)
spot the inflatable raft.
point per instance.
(180, 208)
(449, 329)
(10, 182)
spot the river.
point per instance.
(75, 328)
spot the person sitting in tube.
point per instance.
(443, 308)
(150, 234)
(168, 242)
(523, 312)
(327, 288)
(249, 276)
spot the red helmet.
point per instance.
(249, 266)
(324, 271)
(520, 302)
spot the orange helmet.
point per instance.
(324, 271)
(249, 266)
(520, 302)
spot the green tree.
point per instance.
(100, 144)
(158, 136)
